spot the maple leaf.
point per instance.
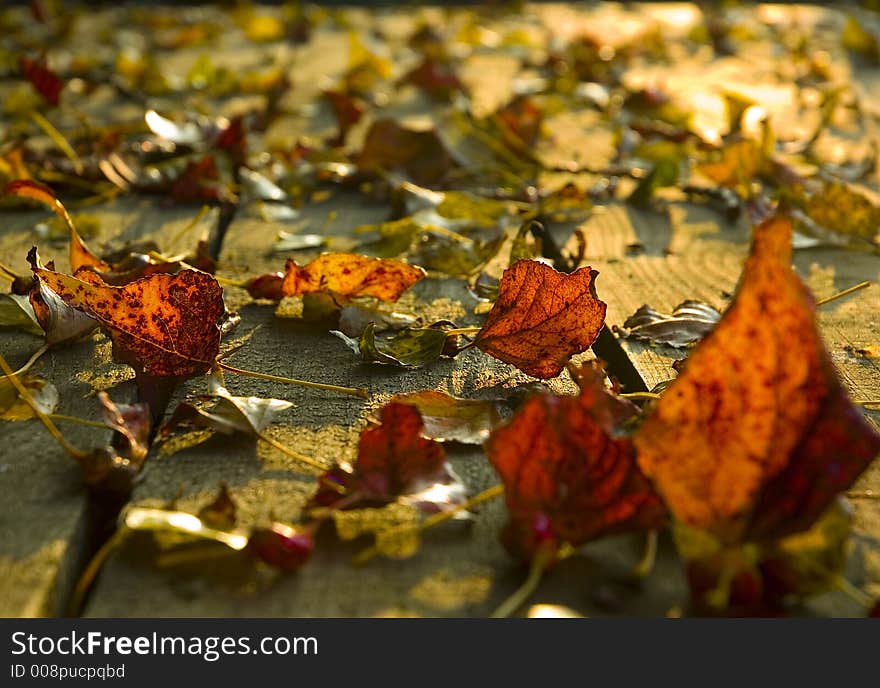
(350, 274)
(757, 436)
(162, 325)
(568, 474)
(542, 317)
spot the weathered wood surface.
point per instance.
(642, 256)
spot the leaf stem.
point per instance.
(82, 421)
(539, 563)
(845, 292)
(33, 359)
(639, 395)
(649, 557)
(353, 391)
(77, 454)
(8, 272)
(308, 460)
(74, 608)
(365, 555)
(59, 140)
(226, 282)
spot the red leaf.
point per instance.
(394, 458)
(542, 317)
(43, 79)
(567, 475)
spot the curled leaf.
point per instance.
(60, 321)
(689, 322)
(449, 418)
(410, 348)
(230, 414)
(42, 392)
(542, 317)
(16, 311)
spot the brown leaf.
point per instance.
(420, 155)
(542, 317)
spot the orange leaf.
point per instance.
(542, 317)
(567, 475)
(350, 274)
(161, 325)
(756, 437)
(80, 254)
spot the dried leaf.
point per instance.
(132, 422)
(80, 254)
(60, 321)
(16, 311)
(230, 414)
(568, 474)
(689, 322)
(42, 392)
(542, 317)
(161, 325)
(349, 275)
(452, 419)
(411, 348)
(756, 437)
(43, 79)
(419, 155)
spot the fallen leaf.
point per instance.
(17, 312)
(42, 392)
(80, 254)
(420, 155)
(161, 325)
(411, 348)
(349, 275)
(60, 321)
(756, 436)
(569, 475)
(230, 414)
(44, 80)
(452, 419)
(542, 317)
(394, 460)
(689, 322)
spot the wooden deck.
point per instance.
(682, 250)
